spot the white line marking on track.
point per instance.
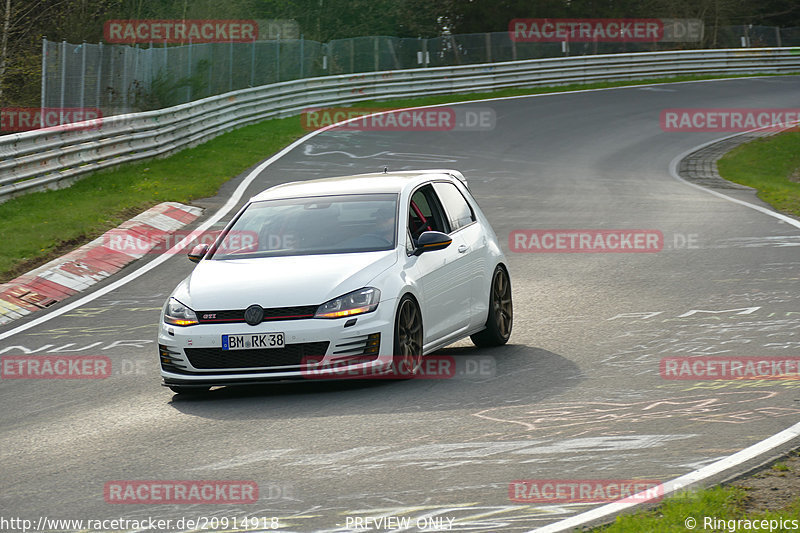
(673, 170)
(570, 523)
(681, 482)
(722, 465)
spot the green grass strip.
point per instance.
(42, 225)
(715, 509)
(672, 514)
(769, 165)
(39, 226)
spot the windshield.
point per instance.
(315, 225)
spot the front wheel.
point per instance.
(501, 312)
(407, 357)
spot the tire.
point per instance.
(189, 391)
(501, 312)
(407, 339)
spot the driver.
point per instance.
(384, 223)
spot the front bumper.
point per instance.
(314, 349)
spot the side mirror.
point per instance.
(198, 252)
(432, 240)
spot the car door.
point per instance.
(445, 294)
(473, 257)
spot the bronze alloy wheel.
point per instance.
(407, 338)
(501, 312)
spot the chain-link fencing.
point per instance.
(123, 78)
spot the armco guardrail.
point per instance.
(54, 158)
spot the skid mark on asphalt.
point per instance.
(739, 407)
(767, 329)
(726, 337)
(775, 241)
(783, 384)
(386, 155)
(611, 452)
(72, 347)
(95, 331)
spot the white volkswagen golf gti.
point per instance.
(368, 273)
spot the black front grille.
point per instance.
(290, 355)
(271, 314)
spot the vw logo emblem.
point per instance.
(254, 315)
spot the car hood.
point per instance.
(279, 281)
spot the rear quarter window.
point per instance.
(459, 212)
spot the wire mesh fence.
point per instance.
(125, 78)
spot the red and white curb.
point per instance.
(92, 262)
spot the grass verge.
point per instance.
(772, 166)
(675, 512)
(764, 501)
(40, 226)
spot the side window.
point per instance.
(425, 213)
(459, 212)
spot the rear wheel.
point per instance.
(407, 338)
(501, 312)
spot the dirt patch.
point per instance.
(795, 176)
(773, 488)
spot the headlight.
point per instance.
(354, 303)
(177, 314)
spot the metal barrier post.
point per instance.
(83, 73)
(63, 83)
(124, 88)
(352, 55)
(44, 76)
(99, 73)
(302, 56)
(189, 74)
(252, 64)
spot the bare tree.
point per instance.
(4, 45)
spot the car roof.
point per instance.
(377, 182)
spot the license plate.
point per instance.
(253, 341)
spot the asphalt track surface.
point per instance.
(575, 395)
